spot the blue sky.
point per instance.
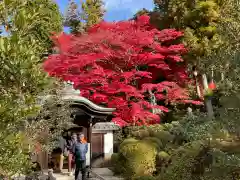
(116, 9)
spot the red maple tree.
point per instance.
(122, 65)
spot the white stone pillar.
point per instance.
(88, 155)
(108, 145)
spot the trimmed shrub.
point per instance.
(155, 128)
(141, 133)
(145, 178)
(140, 158)
(163, 156)
(164, 136)
(162, 159)
(118, 163)
(128, 141)
(155, 141)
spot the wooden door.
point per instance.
(97, 145)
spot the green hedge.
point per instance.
(118, 163)
(154, 141)
(145, 178)
(139, 158)
(147, 152)
(140, 133)
(128, 141)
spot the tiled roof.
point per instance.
(102, 126)
(71, 94)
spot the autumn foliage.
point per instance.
(121, 65)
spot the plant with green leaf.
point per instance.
(202, 21)
(80, 19)
(51, 121)
(92, 12)
(195, 147)
(32, 21)
(25, 40)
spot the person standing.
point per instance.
(70, 144)
(80, 149)
(60, 153)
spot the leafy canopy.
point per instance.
(27, 26)
(80, 19)
(120, 64)
(198, 19)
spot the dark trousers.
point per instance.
(80, 166)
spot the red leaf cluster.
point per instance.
(119, 63)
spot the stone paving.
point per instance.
(102, 173)
(66, 176)
(97, 174)
(105, 173)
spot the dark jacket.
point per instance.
(70, 145)
(80, 150)
(62, 144)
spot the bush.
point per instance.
(145, 178)
(163, 155)
(114, 158)
(161, 132)
(155, 128)
(140, 133)
(118, 163)
(164, 136)
(128, 141)
(163, 158)
(140, 158)
(154, 141)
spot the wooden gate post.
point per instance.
(208, 101)
(90, 138)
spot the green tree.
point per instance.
(79, 19)
(72, 17)
(211, 29)
(92, 12)
(200, 20)
(48, 125)
(31, 20)
(28, 26)
(141, 12)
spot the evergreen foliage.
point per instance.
(28, 24)
(92, 12)
(80, 19)
(195, 147)
(135, 159)
(207, 26)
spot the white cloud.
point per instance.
(131, 5)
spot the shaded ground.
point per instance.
(105, 173)
(97, 174)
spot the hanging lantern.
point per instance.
(212, 85)
(6, 28)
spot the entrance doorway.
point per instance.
(97, 145)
